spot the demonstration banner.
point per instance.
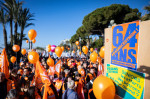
(125, 45)
(129, 84)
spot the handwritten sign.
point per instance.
(125, 45)
(129, 84)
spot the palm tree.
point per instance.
(3, 21)
(18, 38)
(12, 8)
(9, 9)
(24, 17)
(16, 7)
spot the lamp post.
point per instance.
(31, 34)
(30, 45)
(80, 43)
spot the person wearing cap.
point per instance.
(70, 93)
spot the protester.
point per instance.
(69, 78)
(5, 85)
(70, 93)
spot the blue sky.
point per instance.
(56, 20)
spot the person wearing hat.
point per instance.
(70, 93)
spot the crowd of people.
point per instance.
(74, 81)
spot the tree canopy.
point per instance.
(147, 15)
(98, 20)
(95, 22)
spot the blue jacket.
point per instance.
(69, 94)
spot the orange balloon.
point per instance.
(50, 62)
(77, 43)
(33, 41)
(103, 88)
(23, 51)
(32, 34)
(102, 52)
(27, 41)
(49, 46)
(78, 47)
(62, 48)
(58, 51)
(80, 53)
(16, 48)
(93, 57)
(85, 49)
(13, 59)
(81, 71)
(33, 57)
(73, 51)
(91, 49)
(48, 49)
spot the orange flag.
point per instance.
(100, 67)
(38, 81)
(51, 71)
(58, 84)
(4, 63)
(43, 73)
(58, 68)
(80, 91)
(44, 77)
